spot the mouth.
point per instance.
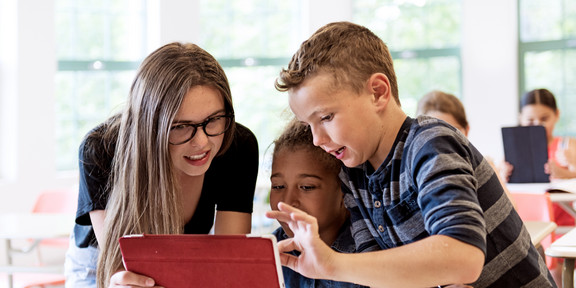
(338, 153)
(196, 157)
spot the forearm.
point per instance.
(228, 222)
(436, 260)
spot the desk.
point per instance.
(565, 247)
(36, 226)
(539, 230)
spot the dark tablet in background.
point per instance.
(526, 148)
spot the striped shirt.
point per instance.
(434, 182)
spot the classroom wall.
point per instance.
(27, 52)
(490, 71)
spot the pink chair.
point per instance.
(49, 201)
(536, 207)
(56, 201)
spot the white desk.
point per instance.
(565, 247)
(36, 226)
(539, 230)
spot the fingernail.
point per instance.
(149, 282)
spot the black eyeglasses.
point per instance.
(213, 126)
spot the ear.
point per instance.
(379, 87)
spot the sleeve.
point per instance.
(442, 167)
(234, 173)
(93, 182)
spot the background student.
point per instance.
(538, 107)
(306, 177)
(160, 167)
(449, 108)
(427, 196)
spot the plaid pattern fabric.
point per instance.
(434, 182)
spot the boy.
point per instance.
(426, 195)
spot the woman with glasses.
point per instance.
(177, 160)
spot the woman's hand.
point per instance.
(123, 279)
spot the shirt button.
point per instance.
(380, 228)
(377, 204)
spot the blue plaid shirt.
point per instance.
(434, 182)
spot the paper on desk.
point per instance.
(556, 186)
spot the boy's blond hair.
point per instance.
(350, 52)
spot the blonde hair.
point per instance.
(145, 194)
(350, 52)
(443, 102)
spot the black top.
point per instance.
(229, 185)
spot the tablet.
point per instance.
(175, 261)
(526, 148)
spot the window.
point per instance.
(547, 53)
(253, 40)
(96, 65)
(424, 40)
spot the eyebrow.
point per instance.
(304, 175)
(176, 121)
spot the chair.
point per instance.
(536, 207)
(56, 201)
(48, 201)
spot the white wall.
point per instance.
(490, 73)
(27, 66)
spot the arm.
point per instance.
(122, 277)
(436, 259)
(565, 166)
(97, 217)
(502, 181)
(229, 222)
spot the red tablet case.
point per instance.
(175, 261)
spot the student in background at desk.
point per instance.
(175, 155)
(426, 196)
(538, 107)
(449, 108)
(306, 177)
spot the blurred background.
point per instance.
(67, 65)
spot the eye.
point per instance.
(277, 187)
(307, 187)
(179, 127)
(327, 117)
(215, 118)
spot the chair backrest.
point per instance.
(533, 206)
(56, 201)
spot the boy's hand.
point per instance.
(315, 257)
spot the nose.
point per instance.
(319, 137)
(200, 138)
(291, 197)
